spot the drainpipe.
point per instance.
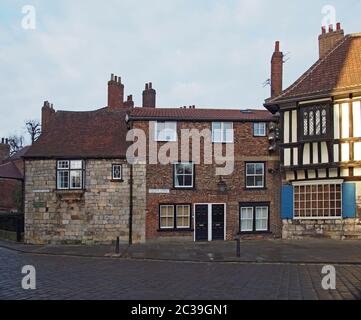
(131, 205)
(130, 242)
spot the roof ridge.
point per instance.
(310, 70)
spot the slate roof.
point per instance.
(92, 134)
(339, 71)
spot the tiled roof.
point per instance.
(338, 71)
(10, 171)
(193, 114)
(93, 134)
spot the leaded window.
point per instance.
(315, 121)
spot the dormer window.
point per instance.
(315, 122)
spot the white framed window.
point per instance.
(261, 219)
(259, 129)
(184, 175)
(117, 172)
(255, 175)
(165, 131)
(222, 132)
(318, 201)
(254, 217)
(166, 217)
(70, 174)
(246, 219)
(175, 217)
(183, 215)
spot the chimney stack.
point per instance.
(47, 112)
(149, 96)
(327, 41)
(276, 71)
(115, 92)
(129, 103)
(4, 149)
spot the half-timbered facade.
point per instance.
(320, 144)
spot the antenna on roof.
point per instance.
(285, 55)
(266, 83)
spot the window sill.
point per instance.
(175, 230)
(70, 195)
(255, 189)
(117, 180)
(186, 189)
(253, 232)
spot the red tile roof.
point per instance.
(10, 171)
(93, 134)
(190, 114)
(338, 71)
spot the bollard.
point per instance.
(238, 250)
(117, 250)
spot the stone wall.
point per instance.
(340, 229)
(98, 214)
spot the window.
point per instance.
(318, 201)
(165, 131)
(70, 174)
(255, 175)
(259, 129)
(174, 217)
(166, 217)
(254, 218)
(184, 175)
(117, 172)
(222, 132)
(315, 121)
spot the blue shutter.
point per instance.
(349, 200)
(287, 202)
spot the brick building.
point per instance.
(187, 199)
(82, 188)
(321, 140)
(11, 178)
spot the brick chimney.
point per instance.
(115, 92)
(129, 103)
(276, 71)
(47, 112)
(328, 40)
(149, 96)
(4, 149)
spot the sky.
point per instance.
(208, 53)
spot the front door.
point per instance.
(201, 223)
(209, 222)
(218, 222)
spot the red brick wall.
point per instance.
(247, 148)
(8, 188)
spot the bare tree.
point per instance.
(33, 128)
(16, 143)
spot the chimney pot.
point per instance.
(115, 92)
(338, 26)
(327, 41)
(277, 46)
(323, 30)
(330, 28)
(2, 140)
(149, 96)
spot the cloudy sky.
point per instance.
(208, 53)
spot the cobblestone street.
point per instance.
(60, 277)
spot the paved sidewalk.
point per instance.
(313, 251)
